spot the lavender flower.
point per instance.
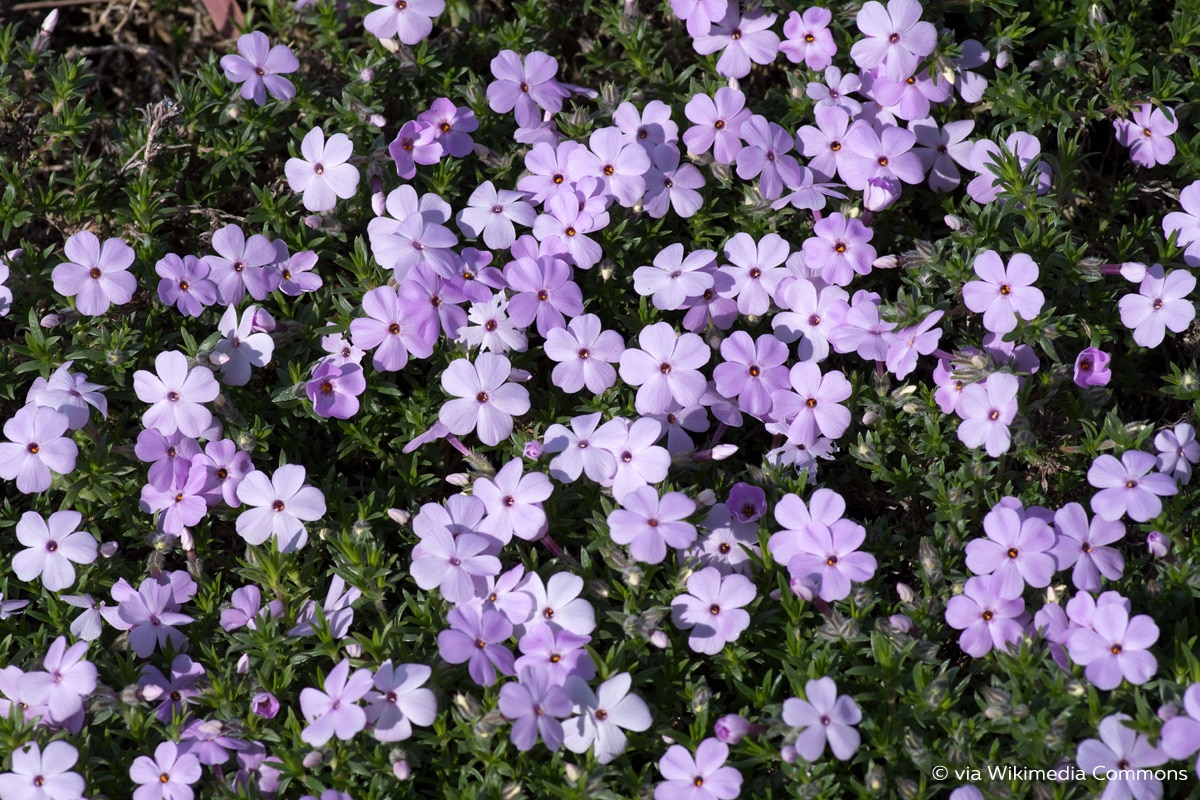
(666, 367)
(704, 777)
(398, 701)
(1177, 450)
(525, 86)
(323, 175)
(988, 408)
(1147, 135)
(985, 616)
(648, 523)
(602, 717)
(1016, 549)
(477, 637)
(1004, 293)
(281, 505)
(43, 774)
(1128, 486)
(35, 447)
(808, 38)
(1161, 304)
(97, 276)
(1123, 756)
(1115, 646)
(54, 547)
(713, 609)
(585, 354)
(535, 705)
(411, 20)
(259, 67)
(743, 40)
(486, 400)
(240, 348)
(823, 717)
(1091, 368)
(896, 38)
(335, 711)
(334, 389)
(176, 394)
(185, 284)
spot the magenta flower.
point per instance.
(808, 38)
(602, 717)
(335, 711)
(717, 124)
(743, 39)
(752, 371)
(823, 717)
(477, 636)
(1128, 487)
(1161, 304)
(1148, 135)
(35, 447)
(712, 609)
(281, 506)
(895, 37)
(665, 368)
(985, 616)
(399, 701)
(1115, 646)
(54, 547)
(411, 20)
(1016, 549)
(839, 249)
(525, 87)
(987, 409)
(649, 524)
(43, 774)
(334, 389)
(97, 276)
(704, 777)
(1091, 368)
(323, 174)
(1004, 293)
(1125, 758)
(486, 400)
(585, 354)
(535, 706)
(259, 67)
(185, 284)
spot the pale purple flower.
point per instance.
(337, 609)
(259, 67)
(224, 466)
(895, 37)
(752, 371)
(1091, 368)
(185, 284)
(1004, 292)
(1186, 224)
(65, 681)
(577, 452)
(675, 277)
(54, 547)
(411, 20)
(766, 156)
(176, 394)
(823, 717)
(514, 502)
(240, 348)
(486, 400)
(649, 127)
(1125, 758)
(666, 367)
(835, 92)
(704, 777)
(281, 505)
(1161, 304)
(525, 87)
(296, 276)
(808, 39)
(649, 524)
(242, 265)
(943, 150)
(1017, 549)
(178, 691)
(35, 447)
(415, 143)
(557, 603)
(571, 224)
(490, 213)
(717, 124)
(557, 654)
(815, 402)
(839, 249)
(535, 705)
(1129, 486)
(335, 711)
(543, 291)
(828, 555)
(97, 275)
(399, 323)
(399, 701)
(246, 608)
(450, 563)
(1148, 135)
(906, 344)
(452, 126)
(585, 354)
(323, 175)
(699, 14)
(1181, 734)
(987, 409)
(909, 98)
(150, 614)
(812, 315)
(985, 616)
(334, 390)
(69, 393)
(621, 164)
(43, 774)
(743, 39)
(1115, 647)
(1177, 450)
(167, 776)
(885, 154)
(971, 85)
(713, 609)
(670, 184)
(88, 625)
(755, 269)
(602, 717)
(477, 636)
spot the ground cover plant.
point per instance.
(691, 399)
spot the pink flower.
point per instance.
(988, 408)
(35, 447)
(1129, 486)
(97, 276)
(43, 774)
(743, 39)
(54, 547)
(704, 777)
(1091, 368)
(167, 776)
(895, 37)
(601, 716)
(1004, 293)
(809, 40)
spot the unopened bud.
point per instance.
(399, 516)
(366, 75)
(954, 222)
(889, 261)
(467, 705)
(1036, 65)
(1158, 544)
(706, 498)
(314, 759)
(1003, 58)
(459, 479)
(401, 770)
(243, 665)
(906, 788)
(511, 792)
(788, 754)
(1168, 712)
(354, 650)
(905, 592)
(533, 450)
(1060, 60)
(731, 728)
(574, 773)
(659, 639)
(390, 44)
(50, 320)
(519, 375)
(108, 549)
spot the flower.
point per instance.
(648, 523)
(399, 323)
(1186, 224)
(97, 276)
(323, 174)
(557, 603)
(943, 150)
(240, 348)
(167, 776)
(766, 155)
(670, 184)
(535, 705)
(69, 393)
(585, 353)
(665, 368)
(490, 213)
(476, 636)
(1161, 304)
(1177, 451)
(752, 371)
(43, 774)
(296, 277)
(985, 616)
(1148, 135)
(179, 691)
(829, 555)
(755, 268)
(334, 390)
(525, 87)
(185, 284)
(673, 278)
(66, 680)
(514, 502)
(699, 14)
(411, 20)
(281, 505)
(895, 37)
(988, 408)
(823, 717)
(54, 547)
(1084, 546)
(1004, 293)
(335, 711)
(717, 124)
(1115, 646)
(808, 38)
(176, 394)
(150, 614)
(1181, 735)
(1091, 368)
(35, 447)
(486, 400)
(576, 453)
(815, 405)
(1128, 487)
(543, 291)
(1122, 756)
(704, 777)
(744, 39)
(264, 705)
(838, 249)
(712, 609)
(450, 563)
(1016, 548)
(258, 68)
(398, 701)
(601, 717)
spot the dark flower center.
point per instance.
(808, 37)
(172, 396)
(406, 144)
(608, 169)
(445, 127)
(52, 545)
(179, 497)
(319, 169)
(672, 419)
(497, 209)
(941, 148)
(1115, 649)
(555, 658)
(1085, 366)
(719, 124)
(840, 247)
(524, 86)
(33, 448)
(910, 80)
(883, 161)
(1005, 289)
(993, 415)
(510, 501)
(835, 146)
(754, 371)
(1147, 132)
(455, 561)
(811, 402)
(814, 320)
(643, 133)
(664, 368)
(259, 71)
(482, 397)
(164, 778)
(895, 37)
(39, 781)
(558, 178)
(1012, 552)
(1131, 484)
(490, 325)
(94, 272)
(987, 616)
(584, 353)
(1158, 303)
(326, 387)
(724, 547)
(222, 473)
(831, 561)
(652, 522)
(391, 697)
(601, 714)
(176, 696)
(737, 34)
(755, 273)
(667, 182)
(1085, 547)
(548, 613)
(480, 643)
(698, 781)
(543, 295)
(709, 294)
(238, 266)
(183, 286)
(277, 505)
(394, 328)
(714, 609)
(825, 720)
(570, 231)
(626, 457)
(170, 452)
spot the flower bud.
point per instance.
(1158, 544)
(390, 44)
(533, 450)
(906, 788)
(900, 623)
(788, 754)
(314, 759)
(401, 770)
(459, 479)
(108, 549)
(1036, 65)
(265, 705)
(659, 639)
(876, 778)
(1003, 58)
(905, 592)
(354, 650)
(706, 498)
(1168, 712)
(467, 705)
(954, 222)
(731, 728)
(399, 516)
(50, 321)
(574, 773)
(889, 261)
(243, 665)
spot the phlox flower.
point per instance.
(829, 556)
(649, 127)
(895, 37)
(649, 524)
(185, 284)
(752, 371)
(985, 616)
(1091, 368)
(150, 614)
(712, 609)
(450, 563)
(399, 322)
(839, 249)
(743, 40)
(224, 467)
(337, 609)
(717, 124)
(704, 777)
(639, 461)
(543, 291)
(602, 717)
(65, 681)
(1115, 647)
(240, 348)
(334, 390)
(43, 774)
(674, 277)
(176, 394)
(335, 710)
(415, 143)
(485, 399)
(525, 86)
(1016, 549)
(808, 39)
(491, 214)
(1004, 293)
(1129, 486)
(452, 126)
(666, 367)
(411, 20)
(670, 184)
(477, 636)
(54, 547)
(755, 269)
(585, 354)
(296, 276)
(699, 14)
(1181, 734)
(1148, 135)
(766, 155)
(823, 717)
(167, 776)
(987, 409)
(36, 446)
(886, 154)
(242, 265)
(1177, 450)
(97, 275)
(557, 603)
(88, 625)
(258, 68)
(514, 502)
(942, 150)
(835, 92)
(577, 453)
(281, 504)
(1161, 304)
(535, 705)
(910, 98)
(622, 164)
(399, 700)
(1127, 756)
(815, 404)
(812, 315)
(323, 175)
(179, 691)
(557, 654)
(1186, 224)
